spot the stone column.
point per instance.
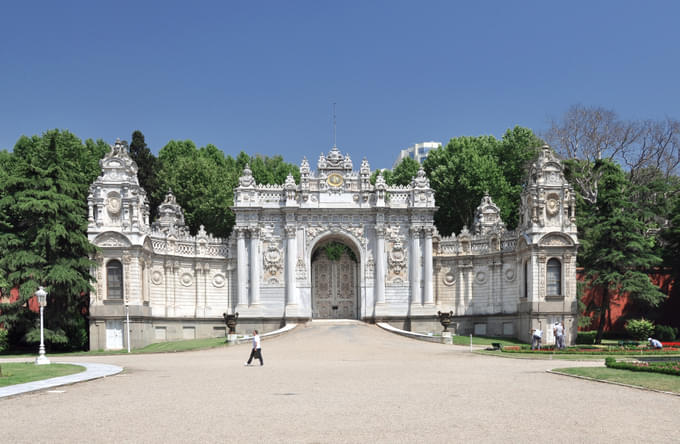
(291, 262)
(242, 267)
(428, 295)
(416, 295)
(380, 265)
(254, 266)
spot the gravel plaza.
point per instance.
(338, 382)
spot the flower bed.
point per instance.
(671, 344)
(665, 367)
(592, 350)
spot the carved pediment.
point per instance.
(111, 239)
(555, 240)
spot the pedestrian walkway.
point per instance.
(339, 382)
(92, 371)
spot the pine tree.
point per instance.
(147, 173)
(615, 252)
(43, 238)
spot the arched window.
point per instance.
(554, 278)
(114, 280)
(526, 279)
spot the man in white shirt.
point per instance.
(654, 343)
(256, 352)
(558, 330)
(536, 335)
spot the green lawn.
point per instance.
(161, 347)
(484, 340)
(177, 346)
(20, 372)
(668, 383)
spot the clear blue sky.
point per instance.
(262, 76)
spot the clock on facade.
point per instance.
(334, 180)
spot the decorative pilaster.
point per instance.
(416, 263)
(428, 294)
(242, 267)
(254, 266)
(380, 265)
(291, 263)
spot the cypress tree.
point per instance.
(147, 171)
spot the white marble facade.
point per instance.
(176, 285)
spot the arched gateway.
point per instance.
(331, 245)
(335, 283)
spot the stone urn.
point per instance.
(231, 320)
(445, 319)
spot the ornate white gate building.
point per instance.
(331, 246)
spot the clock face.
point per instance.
(334, 180)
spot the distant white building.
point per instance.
(417, 152)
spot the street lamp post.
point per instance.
(127, 321)
(42, 300)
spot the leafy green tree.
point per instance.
(467, 167)
(614, 250)
(147, 172)
(43, 237)
(203, 180)
(272, 170)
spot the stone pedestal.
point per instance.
(447, 337)
(232, 338)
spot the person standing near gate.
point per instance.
(536, 335)
(256, 352)
(558, 330)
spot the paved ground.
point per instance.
(339, 383)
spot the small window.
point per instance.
(114, 280)
(554, 278)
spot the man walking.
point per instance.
(256, 352)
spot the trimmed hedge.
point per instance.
(4, 343)
(665, 367)
(586, 337)
(665, 333)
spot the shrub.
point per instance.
(4, 342)
(640, 329)
(665, 333)
(586, 337)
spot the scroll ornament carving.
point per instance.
(113, 205)
(552, 206)
(397, 258)
(370, 264)
(313, 232)
(272, 259)
(300, 269)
